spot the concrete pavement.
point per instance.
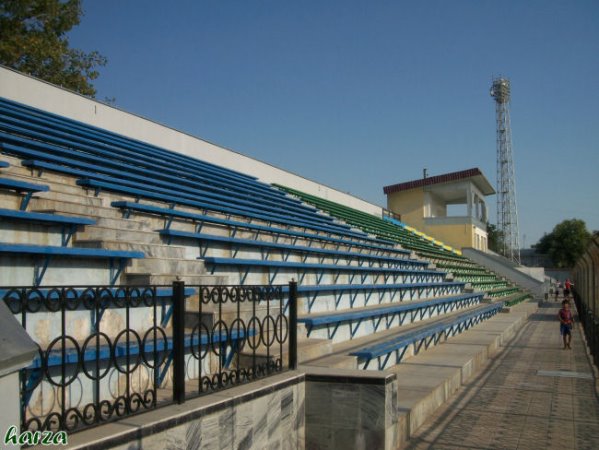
(532, 395)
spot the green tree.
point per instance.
(33, 41)
(494, 238)
(566, 243)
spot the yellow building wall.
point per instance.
(458, 236)
(409, 205)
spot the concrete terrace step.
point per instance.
(80, 199)
(428, 379)
(151, 250)
(165, 265)
(101, 233)
(193, 279)
(62, 207)
(307, 350)
(344, 348)
(65, 186)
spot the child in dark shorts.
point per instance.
(566, 322)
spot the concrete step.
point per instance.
(151, 250)
(100, 233)
(309, 349)
(194, 279)
(10, 200)
(335, 361)
(64, 185)
(434, 375)
(166, 265)
(47, 175)
(125, 224)
(79, 197)
(62, 207)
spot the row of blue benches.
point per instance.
(114, 175)
(395, 274)
(400, 292)
(287, 249)
(63, 130)
(45, 156)
(68, 224)
(388, 312)
(397, 345)
(105, 161)
(361, 242)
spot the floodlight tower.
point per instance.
(507, 213)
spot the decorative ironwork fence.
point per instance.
(109, 352)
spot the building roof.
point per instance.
(474, 174)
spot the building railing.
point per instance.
(108, 352)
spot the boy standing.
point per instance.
(566, 322)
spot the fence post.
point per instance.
(293, 325)
(179, 342)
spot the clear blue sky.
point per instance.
(361, 94)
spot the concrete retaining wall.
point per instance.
(507, 270)
(260, 415)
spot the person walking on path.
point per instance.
(566, 322)
(567, 288)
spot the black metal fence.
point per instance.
(590, 324)
(109, 352)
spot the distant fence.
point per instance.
(108, 352)
(586, 294)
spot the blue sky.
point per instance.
(361, 94)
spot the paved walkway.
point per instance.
(517, 402)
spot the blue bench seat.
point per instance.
(389, 311)
(120, 350)
(47, 252)
(110, 167)
(287, 249)
(423, 336)
(23, 120)
(64, 132)
(401, 291)
(171, 213)
(4, 164)
(111, 171)
(216, 206)
(69, 224)
(23, 187)
(413, 276)
(113, 355)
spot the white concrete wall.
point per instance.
(38, 94)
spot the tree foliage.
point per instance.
(566, 243)
(494, 238)
(33, 40)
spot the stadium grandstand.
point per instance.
(110, 224)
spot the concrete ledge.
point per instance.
(349, 408)
(242, 416)
(426, 381)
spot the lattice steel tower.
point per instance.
(507, 213)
